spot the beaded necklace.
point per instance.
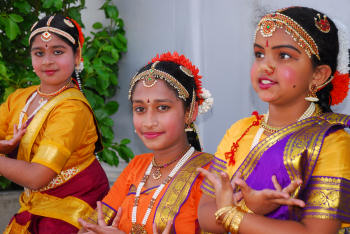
(25, 108)
(48, 95)
(265, 127)
(157, 174)
(140, 228)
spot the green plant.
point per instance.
(101, 52)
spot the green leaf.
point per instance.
(111, 12)
(97, 25)
(22, 6)
(3, 70)
(8, 91)
(108, 59)
(125, 153)
(108, 156)
(16, 18)
(107, 132)
(115, 54)
(100, 114)
(108, 122)
(111, 107)
(58, 4)
(11, 29)
(48, 3)
(125, 141)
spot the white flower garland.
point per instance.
(343, 55)
(207, 103)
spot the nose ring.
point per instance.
(269, 70)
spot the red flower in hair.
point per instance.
(183, 61)
(340, 89)
(81, 35)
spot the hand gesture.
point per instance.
(7, 146)
(224, 194)
(101, 227)
(166, 229)
(267, 200)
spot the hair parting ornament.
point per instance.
(279, 19)
(150, 76)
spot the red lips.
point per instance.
(152, 135)
(266, 83)
(50, 72)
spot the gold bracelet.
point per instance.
(222, 211)
(244, 207)
(235, 222)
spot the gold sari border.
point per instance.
(328, 198)
(108, 214)
(35, 125)
(52, 155)
(179, 189)
(248, 165)
(68, 209)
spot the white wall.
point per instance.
(217, 37)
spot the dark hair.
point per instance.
(58, 22)
(187, 82)
(327, 43)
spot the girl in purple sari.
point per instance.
(300, 70)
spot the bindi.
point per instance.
(46, 46)
(294, 86)
(267, 43)
(148, 101)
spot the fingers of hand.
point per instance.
(243, 185)
(225, 180)
(155, 228)
(292, 186)
(168, 227)
(275, 183)
(100, 218)
(289, 202)
(273, 194)
(213, 178)
(87, 225)
(116, 219)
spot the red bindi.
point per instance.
(148, 101)
(267, 43)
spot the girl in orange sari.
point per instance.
(160, 189)
(55, 160)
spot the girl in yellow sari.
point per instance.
(54, 160)
(300, 70)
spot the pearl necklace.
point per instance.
(137, 228)
(265, 127)
(25, 108)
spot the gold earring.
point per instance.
(311, 96)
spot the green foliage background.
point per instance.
(101, 52)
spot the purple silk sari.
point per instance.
(292, 153)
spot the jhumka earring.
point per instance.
(78, 78)
(312, 97)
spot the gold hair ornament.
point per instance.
(149, 79)
(270, 22)
(322, 24)
(46, 35)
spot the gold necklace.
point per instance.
(48, 95)
(156, 174)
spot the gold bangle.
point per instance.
(236, 220)
(222, 211)
(228, 217)
(244, 207)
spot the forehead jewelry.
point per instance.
(150, 80)
(150, 77)
(46, 36)
(270, 22)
